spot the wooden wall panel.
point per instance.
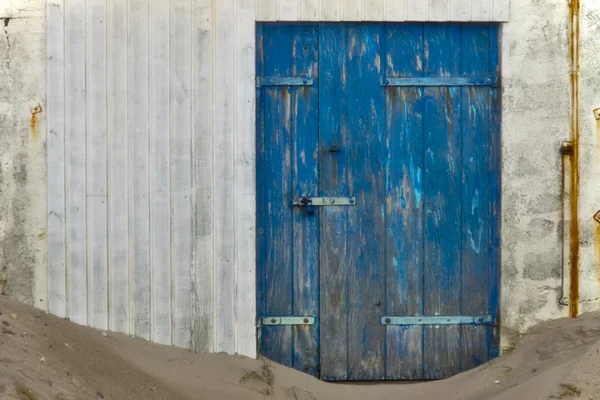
(382, 10)
(75, 185)
(96, 185)
(57, 291)
(159, 170)
(118, 161)
(151, 158)
(225, 94)
(181, 174)
(203, 177)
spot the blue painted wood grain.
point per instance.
(366, 221)
(334, 160)
(423, 162)
(404, 202)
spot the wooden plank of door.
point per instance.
(404, 202)
(443, 204)
(333, 159)
(275, 201)
(365, 225)
(495, 171)
(305, 160)
(476, 194)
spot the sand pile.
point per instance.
(43, 357)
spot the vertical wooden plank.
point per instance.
(160, 189)
(460, 10)
(500, 10)
(308, 10)
(331, 10)
(442, 191)
(395, 10)
(374, 10)
(275, 200)
(203, 175)
(365, 224)
(76, 161)
(481, 10)
(404, 203)
(333, 159)
(439, 10)
(181, 174)
(476, 193)
(416, 10)
(225, 93)
(266, 10)
(305, 182)
(139, 205)
(57, 290)
(262, 210)
(352, 10)
(495, 172)
(288, 10)
(118, 145)
(97, 268)
(245, 175)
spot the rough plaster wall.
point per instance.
(535, 120)
(589, 200)
(22, 150)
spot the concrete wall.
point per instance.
(23, 251)
(536, 119)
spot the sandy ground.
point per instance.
(43, 357)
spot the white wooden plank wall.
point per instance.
(151, 158)
(382, 10)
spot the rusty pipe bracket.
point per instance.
(566, 148)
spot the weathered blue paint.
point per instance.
(283, 81)
(405, 118)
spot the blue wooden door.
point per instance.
(378, 201)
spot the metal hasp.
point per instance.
(437, 82)
(266, 321)
(283, 81)
(325, 201)
(440, 320)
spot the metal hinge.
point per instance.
(325, 201)
(283, 81)
(269, 321)
(440, 320)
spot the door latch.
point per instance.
(325, 201)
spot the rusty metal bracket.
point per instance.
(283, 81)
(325, 201)
(275, 321)
(440, 320)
